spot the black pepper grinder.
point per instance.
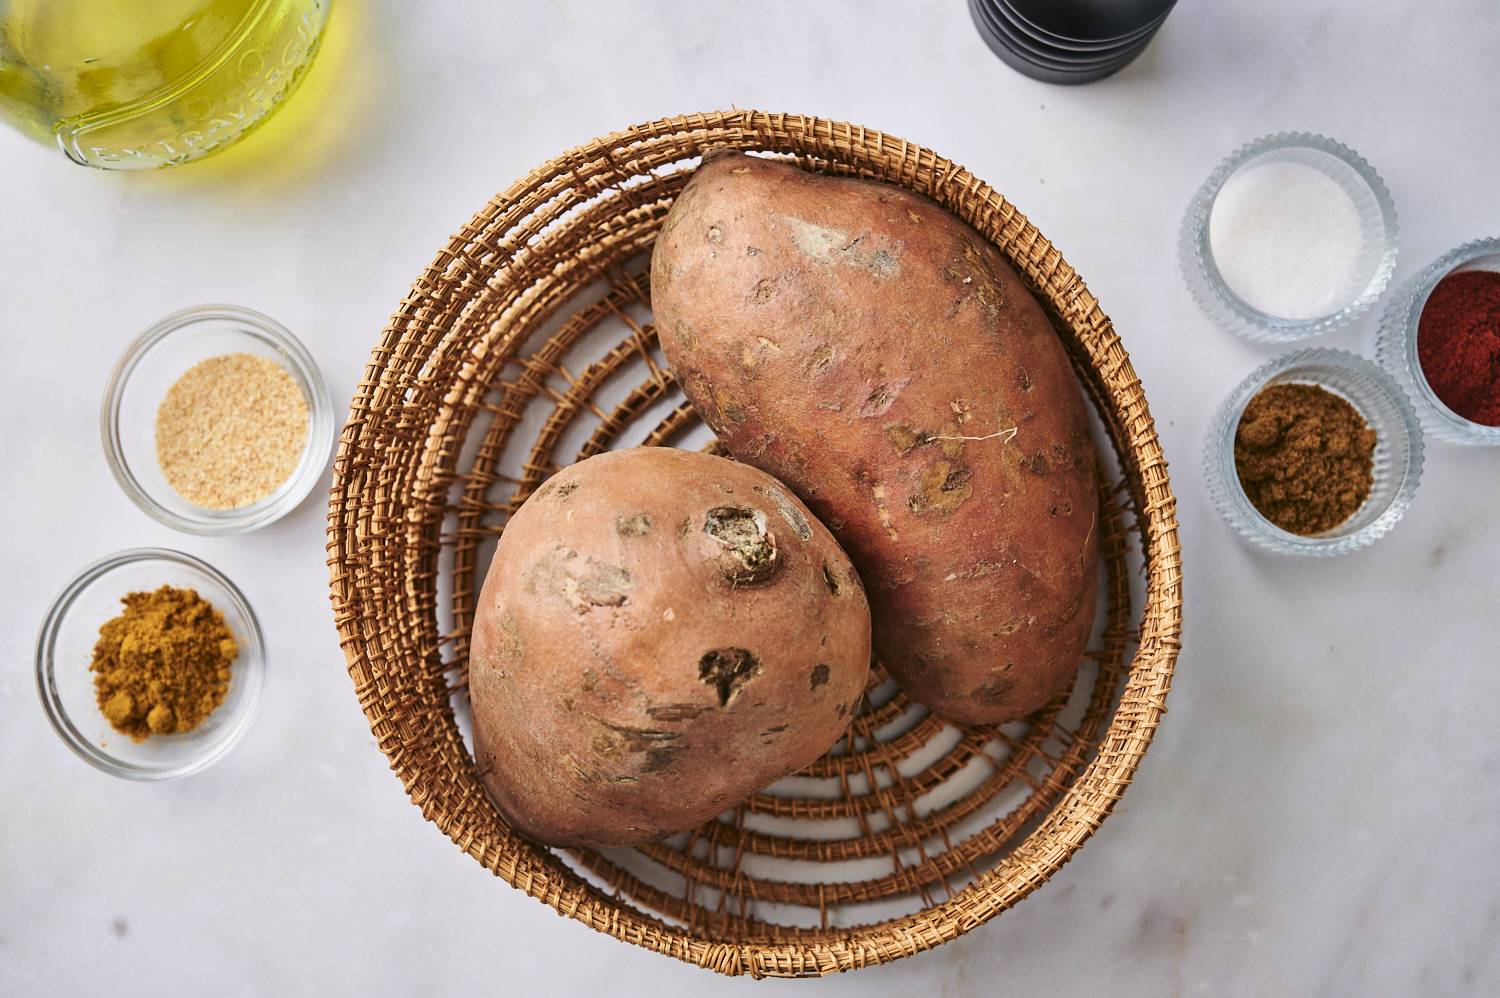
(1068, 41)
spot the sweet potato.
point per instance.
(882, 359)
(660, 634)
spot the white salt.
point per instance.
(1287, 240)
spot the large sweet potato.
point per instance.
(883, 360)
(661, 634)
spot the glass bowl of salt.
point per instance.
(1291, 236)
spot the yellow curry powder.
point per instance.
(162, 666)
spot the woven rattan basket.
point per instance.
(527, 345)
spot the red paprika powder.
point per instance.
(1458, 344)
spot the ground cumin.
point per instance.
(162, 666)
(1305, 457)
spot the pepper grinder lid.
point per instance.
(1091, 20)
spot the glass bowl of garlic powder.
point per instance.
(216, 420)
(1291, 236)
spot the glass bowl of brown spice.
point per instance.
(1317, 452)
(150, 664)
(216, 420)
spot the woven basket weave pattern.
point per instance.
(471, 400)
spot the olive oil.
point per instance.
(138, 84)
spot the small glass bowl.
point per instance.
(64, 648)
(1377, 258)
(1398, 451)
(156, 359)
(1397, 345)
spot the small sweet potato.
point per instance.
(661, 634)
(883, 360)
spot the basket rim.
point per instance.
(1085, 804)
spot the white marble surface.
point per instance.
(1319, 814)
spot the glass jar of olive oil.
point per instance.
(139, 84)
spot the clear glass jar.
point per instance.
(139, 84)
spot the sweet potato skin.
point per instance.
(660, 634)
(882, 359)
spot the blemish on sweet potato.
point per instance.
(714, 234)
(675, 712)
(826, 245)
(818, 678)
(989, 298)
(600, 585)
(748, 549)
(639, 739)
(789, 512)
(727, 670)
(638, 525)
(994, 691)
(881, 398)
(831, 579)
(905, 439)
(1024, 380)
(821, 358)
(945, 485)
(660, 757)
(878, 492)
(762, 291)
(512, 644)
(561, 493)
(977, 571)
(733, 412)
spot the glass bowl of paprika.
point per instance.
(1440, 339)
(150, 627)
(1317, 452)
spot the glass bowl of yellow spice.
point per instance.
(150, 664)
(216, 420)
(1317, 452)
